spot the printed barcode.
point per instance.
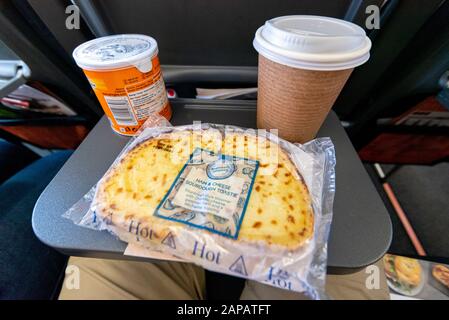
(120, 109)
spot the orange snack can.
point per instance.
(125, 74)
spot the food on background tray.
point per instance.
(403, 274)
(278, 210)
(441, 274)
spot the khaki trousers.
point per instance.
(88, 278)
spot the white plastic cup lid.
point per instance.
(313, 42)
(116, 52)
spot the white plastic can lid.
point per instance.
(313, 42)
(116, 52)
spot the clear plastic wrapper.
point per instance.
(204, 213)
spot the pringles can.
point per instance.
(125, 74)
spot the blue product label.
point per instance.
(210, 192)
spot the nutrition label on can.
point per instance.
(120, 110)
(148, 100)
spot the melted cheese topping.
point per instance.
(279, 209)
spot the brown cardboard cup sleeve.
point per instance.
(296, 101)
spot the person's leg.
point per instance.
(351, 286)
(117, 279)
(358, 286)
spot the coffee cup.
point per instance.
(304, 63)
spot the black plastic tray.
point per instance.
(361, 229)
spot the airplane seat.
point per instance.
(13, 157)
(30, 269)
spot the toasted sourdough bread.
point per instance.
(279, 210)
